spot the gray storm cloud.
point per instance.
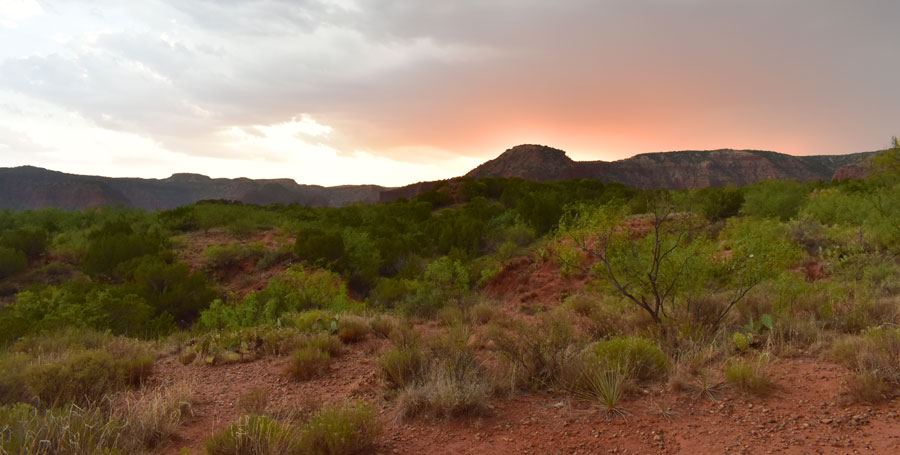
(806, 76)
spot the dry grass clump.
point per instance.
(483, 312)
(308, 362)
(382, 325)
(152, 417)
(352, 328)
(453, 387)
(86, 376)
(323, 342)
(13, 386)
(25, 429)
(42, 369)
(402, 366)
(254, 435)
(750, 376)
(255, 401)
(341, 430)
(538, 353)
(872, 356)
(117, 425)
(440, 378)
(312, 358)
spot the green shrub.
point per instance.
(113, 246)
(81, 305)
(295, 290)
(173, 289)
(720, 203)
(314, 321)
(30, 240)
(12, 261)
(254, 435)
(308, 362)
(641, 357)
(341, 430)
(318, 246)
(775, 198)
(740, 341)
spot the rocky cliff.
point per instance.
(674, 170)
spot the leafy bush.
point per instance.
(643, 359)
(720, 203)
(112, 246)
(32, 241)
(313, 321)
(295, 290)
(780, 199)
(12, 261)
(173, 289)
(318, 246)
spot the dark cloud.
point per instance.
(607, 77)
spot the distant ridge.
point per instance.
(672, 170)
(29, 187)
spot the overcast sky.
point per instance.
(397, 91)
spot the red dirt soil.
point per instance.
(525, 280)
(239, 280)
(803, 415)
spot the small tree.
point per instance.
(666, 264)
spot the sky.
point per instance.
(393, 92)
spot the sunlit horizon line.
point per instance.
(568, 153)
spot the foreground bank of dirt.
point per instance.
(806, 414)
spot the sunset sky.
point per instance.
(398, 91)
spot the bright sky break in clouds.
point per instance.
(397, 91)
